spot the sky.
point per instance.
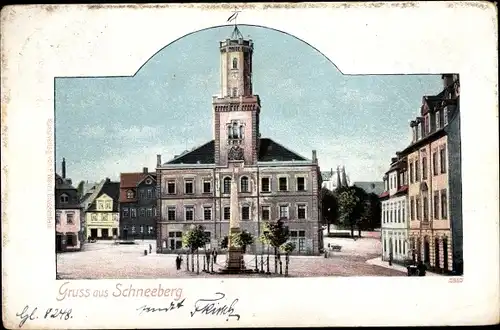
(108, 125)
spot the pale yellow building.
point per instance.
(102, 212)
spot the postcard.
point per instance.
(241, 165)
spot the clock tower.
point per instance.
(236, 109)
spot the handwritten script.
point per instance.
(147, 309)
(216, 306)
(30, 314)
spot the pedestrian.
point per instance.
(421, 268)
(215, 256)
(150, 248)
(178, 262)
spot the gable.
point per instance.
(104, 197)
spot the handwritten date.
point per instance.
(28, 314)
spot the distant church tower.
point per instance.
(236, 109)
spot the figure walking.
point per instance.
(150, 248)
(178, 261)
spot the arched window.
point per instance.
(64, 198)
(244, 184)
(227, 186)
(235, 63)
(130, 194)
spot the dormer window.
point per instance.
(64, 198)
(130, 194)
(427, 126)
(235, 63)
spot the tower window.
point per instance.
(235, 130)
(235, 63)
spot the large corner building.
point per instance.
(273, 182)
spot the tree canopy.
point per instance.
(195, 238)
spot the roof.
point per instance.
(130, 181)
(63, 183)
(112, 189)
(327, 175)
(432, 101)
(376, 187)
(269, 150)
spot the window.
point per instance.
(245, 213)
(419, 211)
(150, 193)
(426, 208)
(283, 184)
(244, 184)
(442, 154)
(436, 205)
(133, 229)
(148, 181)
(265, 184)
(283, 211)
(175, 240)
(399, 215)
(108, 205)
(434, 163)
(422, 129)
(100, 205)
(207, 213)
(417, 172)
(403, 215)
(64, 198)
(417, 128)
(301, 184)
(266, 213)
(235, 63)
(125, 212)
(141, 194)
(188, 187)
(150, 230)
(301, 212)
(227, 213)
(444, 204)
(207, 186)
(130, 194)
(424, 168)
(427, 127)
(149, 212)
(445, 116)
(189, 213)
(227, 186)
(142, 229)
(234, 129)
(58, 217)
(133, 212)
(154, 211)
(171, 213)
(142, 212)
(437, 117)
(171, 187)
(411, 173)
(299, 238)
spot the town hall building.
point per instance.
(274, 183)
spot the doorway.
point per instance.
(436, 254)
(445, 254)
(105, 233)
(93, 233)
(70, 240)
(427, 250)
(58, 243)
(125, 234)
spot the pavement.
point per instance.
(105, 260)
(379, 262)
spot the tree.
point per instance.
(79, 189)
(351, 207)
(276, 234)
(194, 239)
(288, 248)
(242, 239)
(329, 207)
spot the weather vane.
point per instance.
(233, 16)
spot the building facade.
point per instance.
(273, 182)
(138, 205)
(69, 215)
(394, 200)
(333, 179)
(102, 211)
(434, 167)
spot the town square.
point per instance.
(245, 203)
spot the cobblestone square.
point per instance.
(105, 260)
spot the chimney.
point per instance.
(145, 170)
(158, 160)
(314, 159)
(63, 170)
